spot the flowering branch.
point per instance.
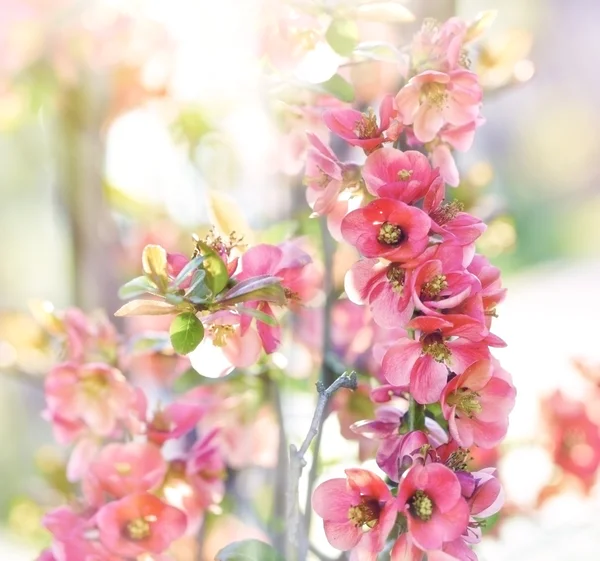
(297, 461)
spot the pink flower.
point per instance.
(138, 524)
(385, 287)
(360, 129)
(430, 497)
(403, 176)
(387, 228)
(438, 46)
(174, 421)
(441, 284)
(476, 404)
(93, 393)
(423, 364)
(74, 536)
(433, 99)
(358, 512)
(451, 137)
(492, 292)
(326, 177)
(121, 469)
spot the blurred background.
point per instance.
(116, 117)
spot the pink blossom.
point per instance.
(433, 99)
(430, 497)
(360, 129)
(492, 292)
(385, 287)
(438, 46)
(133, 467)
(93, 393)
(476, 404)
(423, 364)
(441, 284)
(139, 523)
(358, 512)
(387, 228)
(75, 536)
(403, 176)
(174, 421)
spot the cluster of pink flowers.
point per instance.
(425, 285)
(142, 485)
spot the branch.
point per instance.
(297, 463)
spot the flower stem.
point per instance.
(296, 550)
(416, 415)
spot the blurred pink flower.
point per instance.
(138, 524)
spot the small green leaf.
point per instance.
(265, 287)
(260, 316)
(186, 333)
(216, 270)
(248, 550)
(342, 36)
(190, 266)
(378, 50)
(338, 87)
(137, 287)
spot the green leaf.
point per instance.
(198, 286)
(137, 287)
(186, 333)
(216, 270)
(342, 35)
(248, 550)
(192, 265)
(338, 87)
(260, 316)
(265, 287)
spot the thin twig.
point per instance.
(279, 500)
(297, 463)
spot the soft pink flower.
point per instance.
(92, 393)
(438, 46)
(492, 292)
(430, 497)
(385, 287)
(441, 284)
(139, 523)
(403, 176)
(75, 536)
(358, 512)
(360, 129)
(174, 421)
(423, 364)
(387, 228)
(433, 99)
(133, 467)
(476, 404)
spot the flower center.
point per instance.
(435, 94)
(446, 212)
(220, 334)
(161, 421)
(457, 461)
(434, 346)
(432, 288)
(94, 386)
(366, 126)
(405, 174)
(390, 234)
(421, 506)
(396, 277)
(139, 528)
(466, 400)
(366, 514)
